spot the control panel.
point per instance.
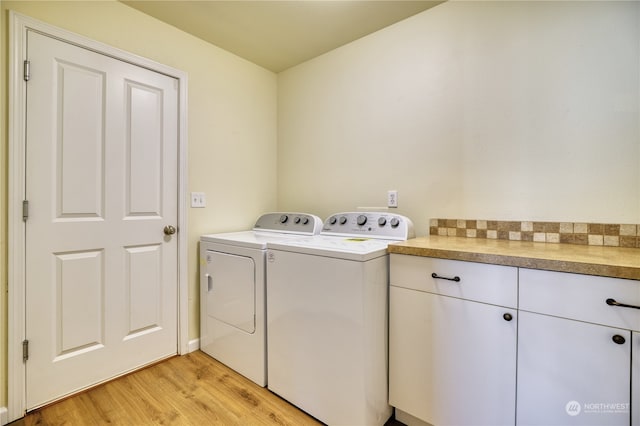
(369, 225)
(298, 223)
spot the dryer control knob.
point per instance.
(333, 220)
(284, 218)
(395, 222)
(297, 219)
(382, 221)
(362, 219)
(305, 220)
(343, 220)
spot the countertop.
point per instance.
(616, 262)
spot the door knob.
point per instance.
(169, 230)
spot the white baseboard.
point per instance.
(4, 416)
(194, 345)
(409, 420)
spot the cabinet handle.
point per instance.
(507, 317)
(618, 339)
(612, 302)
(456, 278)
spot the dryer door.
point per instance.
(231, 289)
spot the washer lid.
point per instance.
(348, 248)
(250, 239)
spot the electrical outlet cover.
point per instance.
(392, 198)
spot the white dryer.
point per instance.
(327, 318)
(232, 290)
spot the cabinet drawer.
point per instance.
(581, 297)
(480, 282)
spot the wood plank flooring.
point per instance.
(193, 389)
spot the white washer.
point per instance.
(327, 318)
(232, 290)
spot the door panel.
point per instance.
(144, 149)
(80, 142)
(144, 267)
(232, 296)
(101, 180)
(79, 309)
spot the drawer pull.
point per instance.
(612, 302)
(456, 278)
(507, 317)
(618, 339)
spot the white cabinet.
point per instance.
(575, 350)
(452, 344)
(572, 372)
(572, 345)
(635, 379)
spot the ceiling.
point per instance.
(280, 34)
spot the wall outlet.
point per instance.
(198, 200)
(392, 198)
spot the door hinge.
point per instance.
(25, 210)
(27, 70)
(25, 350)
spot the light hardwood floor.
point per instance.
(193, 389)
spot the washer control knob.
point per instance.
(284, 218)
(333, 220)
(395, 222)
(297, 219)
(362, 219)
(305, 220)
(382, 221)
(343, 220)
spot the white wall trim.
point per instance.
(19, 25)
(408, 419)
(194, 345)
(4, 416)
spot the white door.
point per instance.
(101, 181)
(451, 361)
(231, 292)
(572, 372)
(635, 378)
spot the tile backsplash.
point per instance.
(594, 234)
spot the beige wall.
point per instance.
(479, 110)
(231, 123)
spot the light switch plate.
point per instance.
(198, 200)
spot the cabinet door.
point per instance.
(452, 362)
(572, 372)
(635, 379)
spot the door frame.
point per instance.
(18, 26)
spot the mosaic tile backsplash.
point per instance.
(594, 234)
